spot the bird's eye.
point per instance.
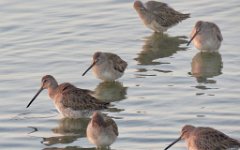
(97, 59)
(44, 81)
(198, 29)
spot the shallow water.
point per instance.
(165, 86)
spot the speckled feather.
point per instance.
(205, 138)
(118, 64)
(79, 99)
(111, 122)
(70, 101)
(167, 15)
(218, 32)
(158, 16)
(210, 139)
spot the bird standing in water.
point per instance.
(70, 101)
(107, 66)
(158, 16)
(206, 36)
(205, 138)
(102, 131)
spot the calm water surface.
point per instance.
(166, 84)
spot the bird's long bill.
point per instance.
(39, 91)
(174, 142)
(89, 68)
(193, 37)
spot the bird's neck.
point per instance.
(52, 91)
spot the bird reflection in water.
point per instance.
(69, 130)
(206, 65)
(110, 91)
(160, 46)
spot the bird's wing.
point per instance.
(211, 139)
(218, 32)
(167, 16)
(79, 99)
(111, 122)
(118, 64)
(154, 5)
(90, 92)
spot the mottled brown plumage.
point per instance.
(102, 131)
(107, 66)
(205, 138)
(158, 16)
(70, 101)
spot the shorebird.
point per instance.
(206, 36)
(107, 66)
(102, 131)
(158, 16)
(205, 138)
(70, 101)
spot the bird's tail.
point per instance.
(185, 16)
(105, 105)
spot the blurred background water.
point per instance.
(165, 86)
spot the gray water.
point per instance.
(165, 86)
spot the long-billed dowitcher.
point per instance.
(70, 101)
(206, 36)
(102, 131)
(158, 16)
(205, 138)
(107, 66)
